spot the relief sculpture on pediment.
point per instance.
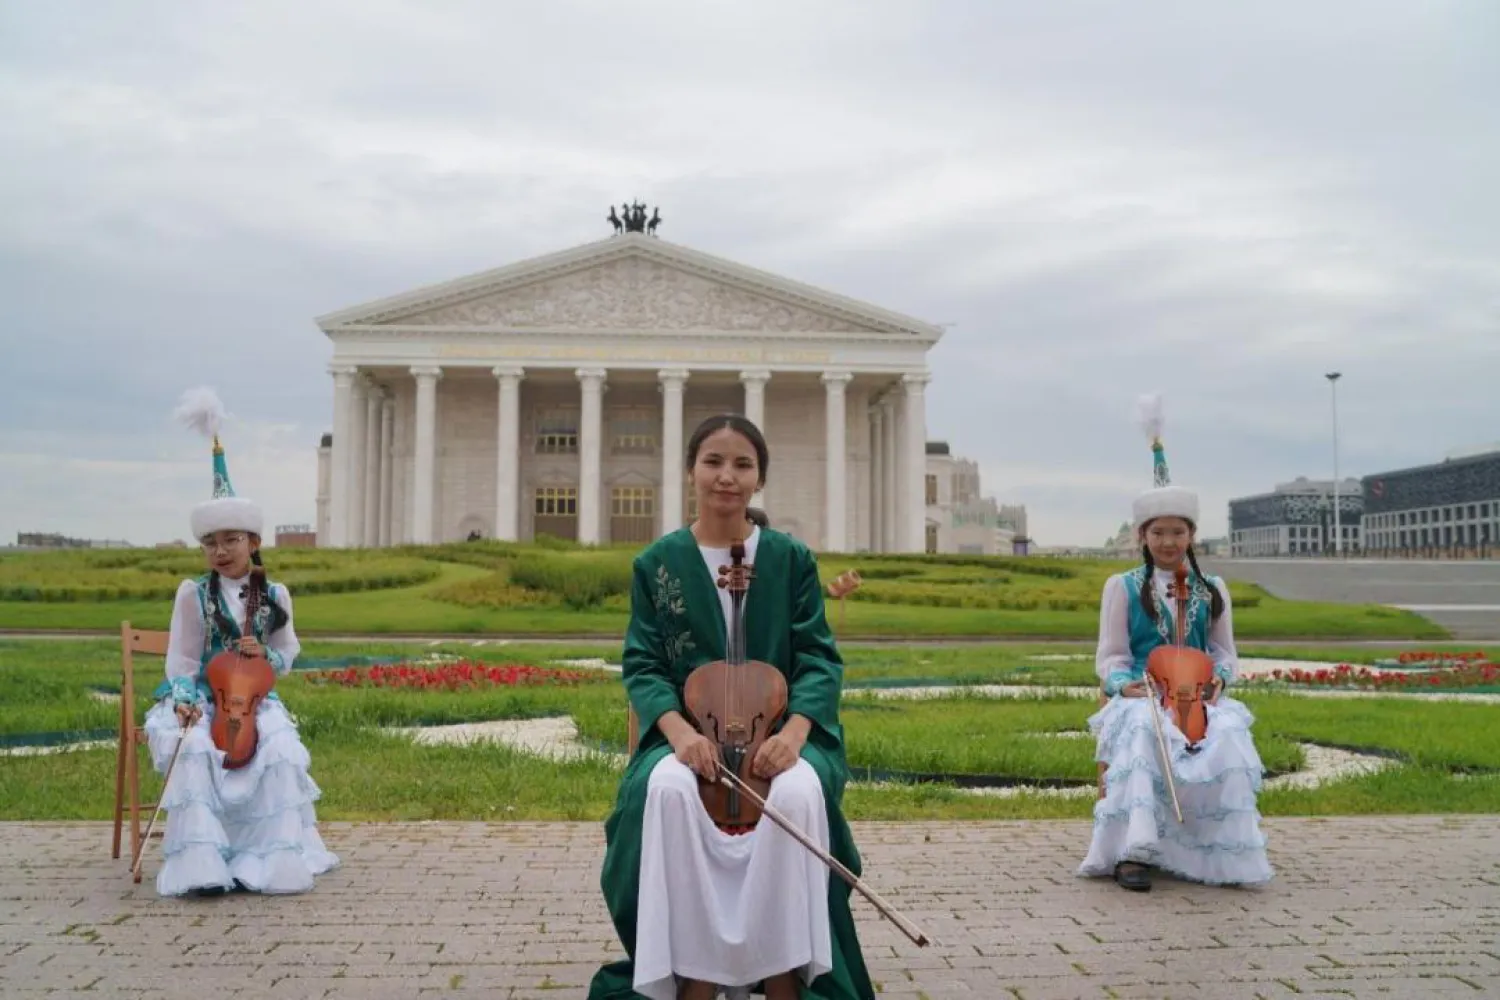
(633, 294)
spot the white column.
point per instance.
(590, 455)
(387, 428)
(915, 446)
(425, 463)
(508, 459)
(338, 485)
(672, 382)
(355, 534)
(835, 465)
(374, 398)
(755, 396)
(877, 479)
(890, 505)
(755, 412)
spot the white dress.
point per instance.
(1219, 841)
(254, 825)
(722, 908)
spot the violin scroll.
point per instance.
(736, 578)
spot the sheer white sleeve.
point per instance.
(1221, 639)
(1113, 661)
(185, 642)
(283, 646)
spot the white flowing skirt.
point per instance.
(1219, 841)
(725, 909)
(254, 825)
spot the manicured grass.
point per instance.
(984, 736)
(1449, 752)
(1402, 790)
(498, 589)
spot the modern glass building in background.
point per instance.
(1450, 509)
(1295, 519)
(1453, 506)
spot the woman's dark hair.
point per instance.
(1148, 595)
(745, 428)
(257, 579)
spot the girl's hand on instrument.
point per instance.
(699, 753)
(250, 647)
(1135, 689)
(188, 715)
(776, 755)
(1212, 692)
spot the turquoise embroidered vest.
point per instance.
(1146, 635)
(216, 641)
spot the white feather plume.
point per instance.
(202, 410)
(1148, 410)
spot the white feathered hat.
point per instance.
(1163, 499)
(201, 410)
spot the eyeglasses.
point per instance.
(227, 543)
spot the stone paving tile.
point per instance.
(1390, 907)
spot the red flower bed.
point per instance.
(464, 675)
(1470, 671)
(1441, 657)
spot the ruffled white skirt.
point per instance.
(730, 909)
(1219, 841)
(254, 825)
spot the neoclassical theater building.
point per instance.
(554, 396)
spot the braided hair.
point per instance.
(258, 581)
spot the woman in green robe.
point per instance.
(696, 907)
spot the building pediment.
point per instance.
(629, 283)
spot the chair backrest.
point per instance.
(139, 640)
(132, 641)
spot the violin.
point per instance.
(737, 703)
(1180, 672)
(240, 683)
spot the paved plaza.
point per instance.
(1462, 597)
(1374, 907)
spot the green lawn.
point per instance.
(500, 589)
(1448, 754)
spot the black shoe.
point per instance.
(1133, 876)
(210, 890)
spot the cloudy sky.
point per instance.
(1219, 202)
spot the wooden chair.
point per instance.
(132, 736)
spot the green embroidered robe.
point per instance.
(677, 624)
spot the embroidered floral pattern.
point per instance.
(214, 638)
(1198, 600)
(671, 614)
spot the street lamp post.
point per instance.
(1338, 533)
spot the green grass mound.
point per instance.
(555, 587)
(154, 575)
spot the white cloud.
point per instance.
(112, 487)
(1217, 202)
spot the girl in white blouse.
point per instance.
(253, 827)
(1219, 840)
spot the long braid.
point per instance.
(258, 580)
(221, 620)
(1216, 600)
(1148, 599)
